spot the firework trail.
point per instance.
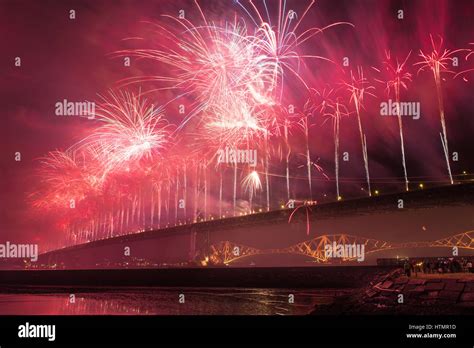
(185, 189)
(204, 170)
(462, 73)
(306, 205)
(176, 197)
(234, 201)
(287, 158)
(437, 61)
(398, 79)
(333, 107)
(286, 122)
(266, 164)
(358, 87)
(157, 185)
(221, 179)
(304, 124)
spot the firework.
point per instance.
(94, 173)
(306, 205)
(232, 124)
(131, 129)
(398, 79)
(304, 124)
(70, 188)
(279, 42)
(358, 87)
(462, 73)
(234, 77)
(209, 62)
(286, 122)
(266, 165)
(438, 61)
(251, 184)
(133, 167)
(287, 158)
(333, 107)
(65, 177)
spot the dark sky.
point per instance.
(70, 59)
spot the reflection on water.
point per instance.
(165, 301)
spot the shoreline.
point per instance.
(396, 294)
(271, 277)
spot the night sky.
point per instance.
(73, 59)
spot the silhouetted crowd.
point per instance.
(449, 265)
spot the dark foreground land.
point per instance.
(395, 293)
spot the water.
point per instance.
(165, 301)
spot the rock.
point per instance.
(409, 287)
(469, 304)
(469, 285)
(401, 281)
(434, 286)
(416, 291)
(449, 295)
(430, 295)
(467, 296)
(416, 281)
(384, 300)
(451, 286)
(371, 292)
(386, 284)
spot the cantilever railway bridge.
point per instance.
(226, 252)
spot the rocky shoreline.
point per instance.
(394, 293)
